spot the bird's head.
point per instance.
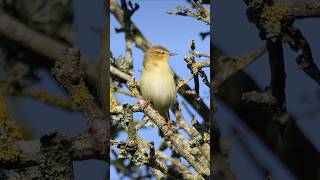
(158, 53)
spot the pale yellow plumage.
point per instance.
(157, 82)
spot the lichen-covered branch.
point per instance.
(201, 12)
(182, 145)
(41, 44)
(142, 42)
(45, 97)
(67, 71)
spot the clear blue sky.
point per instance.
(171, 31)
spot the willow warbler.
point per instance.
(157, 82)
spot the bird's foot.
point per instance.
(170, 129)
(171, 126)
(144, 104)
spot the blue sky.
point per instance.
(171, 31)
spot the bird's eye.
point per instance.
(162, 52)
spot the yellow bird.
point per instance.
(157, 82)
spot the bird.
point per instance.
(157, 80)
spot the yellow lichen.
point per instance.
(10, 152)
(44, 96)
(275, 13)
(16, 133)
(135, 92)
(206, 136)
(81, 93)
(271, 19)
(13, 132)
(123, 152)
(113, 102)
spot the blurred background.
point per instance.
(39, 118)
(250, 156)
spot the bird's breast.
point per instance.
(158, 86)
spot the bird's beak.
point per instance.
(172, 54)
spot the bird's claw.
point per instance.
(170, 126)
(144, 104)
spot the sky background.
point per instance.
(171, 31)
(236, 36)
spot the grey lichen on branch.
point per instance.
(50, 164)
(196, 68)
(201, 12)
(177, 140)
(126, 64)
(69, 74)
(123, 115)
(135, 149)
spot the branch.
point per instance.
(201, 13)
(288, 151)
(142, 43)
(41, 44)
(182, 146)
(231, 66)
(45, 97)
(305, 60)
(304, 9)
(68, 73)
(138, 37)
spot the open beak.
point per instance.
(172, 54)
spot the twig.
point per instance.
(45, 97)
(202, 13)
(138, 37)
(196, 68)
(235, 65)
(305, 60)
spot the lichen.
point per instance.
(9, 152)
(137, 152)
(44, 96)
(113, 102)
(271, 19)
(80, 93)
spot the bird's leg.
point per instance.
(144, 104)
(170, 125)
